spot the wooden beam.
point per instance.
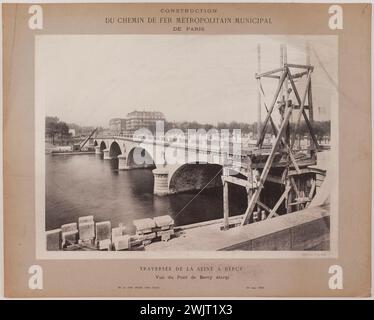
(299, 74)
(297, 107)
(310, 128)
(280, 83)
(311, 192)
(261, 89)
(267, 167)
(300, 66)
(237, 181)
(274, 179)
(304, 98)
(271, 76)
(302, 103)
(300, 201)
(301, 163)
(259, 75)
(294, 186)
(312, 189)
(258, 93)
(264, 206)
(225, 206)
(293, 160)
(281, 199)
(275, 129)
(310, 102)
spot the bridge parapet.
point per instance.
(192, 167)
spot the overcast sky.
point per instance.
(88, 79)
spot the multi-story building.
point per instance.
(143, 119)
(117, 126)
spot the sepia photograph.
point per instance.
(196, 150)
(163, 143)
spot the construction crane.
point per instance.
(83, 143)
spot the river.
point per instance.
(79, 185)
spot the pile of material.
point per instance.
(120, 240)
(103, 232)
(164, 227)
(149, 230)
(88, 235)
(69, 233)
(86, 227)
(145, 230)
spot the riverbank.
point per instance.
(71, 153)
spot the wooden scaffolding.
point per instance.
(283, 165)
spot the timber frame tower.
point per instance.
(279, 178)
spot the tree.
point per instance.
(53, 127)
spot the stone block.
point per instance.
(164, 222)
(144, 231)
(87, 230)
(165, 232)
(165, 237)
(85, 219)
(105, 244)
(69, 227)
(147, 242)
(147, 236)
(121, 242)
(103, 230)
(69, 237)
(86, 242)
(54, 239)
(144, 225)
(107, 154)
(135, 242)
(160, 186)
(117, 232)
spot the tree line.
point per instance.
(58, 131)
(321, 128)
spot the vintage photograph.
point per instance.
(187, 143)
(168, 150)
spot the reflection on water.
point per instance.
(88, 185)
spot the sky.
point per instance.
(89, 79)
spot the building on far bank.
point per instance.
(117, 125)
(143, 119)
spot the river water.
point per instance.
(79, 185)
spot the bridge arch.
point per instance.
(139, 157)
(114, 150)
(95, 143)
(194, 176)
(102, 146)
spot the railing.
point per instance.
(208, 148)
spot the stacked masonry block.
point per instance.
(164, 227)
(69, 234)
(86, 227)
(103, 231)
(120, 240)
(102, 236)
(54, 239)
(145, 230)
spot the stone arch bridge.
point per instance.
(176, 167)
